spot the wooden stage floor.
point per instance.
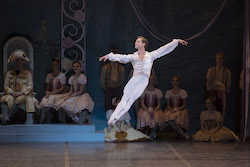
(144, 154)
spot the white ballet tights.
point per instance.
(132, 91)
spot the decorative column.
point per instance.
(73, 39)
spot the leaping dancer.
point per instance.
(142, 62)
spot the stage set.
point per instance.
(124, 83)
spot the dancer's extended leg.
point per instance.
(132, 92)
(128, 90)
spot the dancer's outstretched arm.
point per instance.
(167, 48)
(118, 57)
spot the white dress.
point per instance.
(180, 117)
(78, 103)
(55, 83)
(150, 117)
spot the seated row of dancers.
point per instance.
(151, 118)
(75, 103)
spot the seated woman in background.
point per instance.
(150, 115)
(176, 113)
(212, 128)
(77, 102)
(55, 83)
(121, 130)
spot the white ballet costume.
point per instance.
(139, 81)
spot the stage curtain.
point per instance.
(246, 69)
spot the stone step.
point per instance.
(50, 137)
(47, 128)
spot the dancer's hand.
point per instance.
(48, 93)
(67, 97)
(17, 94)
(104, 58)
(46, 96)
(183, 42)
(172, 111)
(73, 95)
(53, 92)
(175, 109)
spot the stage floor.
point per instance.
(152, 154)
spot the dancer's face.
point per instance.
(151, 81)
(219, 59)
(139, 44)
(209, 104)
(19, 63)
(55, 66)
(175, 81)
(77, 68)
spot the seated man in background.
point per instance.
(111, 80)
(18, 87)
(218, 83)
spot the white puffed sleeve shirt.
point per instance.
(144, 66)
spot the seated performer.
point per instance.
(212, 128)
(218, 83)
(142, 62)
(111, 80)
(176, 113)
(18, 87)
(150, 115)
(55, 83)
(122, 130)
(77, 101)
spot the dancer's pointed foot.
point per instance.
(112, 120)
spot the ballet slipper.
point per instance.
(112, 120)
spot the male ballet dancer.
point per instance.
(142, 62)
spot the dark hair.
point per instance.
(115, 51)
(144, 40)
(220, 54)
(56, 60)
(211, 99)
(177, 76)
(118, 99)
(153, 78)
(79, 62)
